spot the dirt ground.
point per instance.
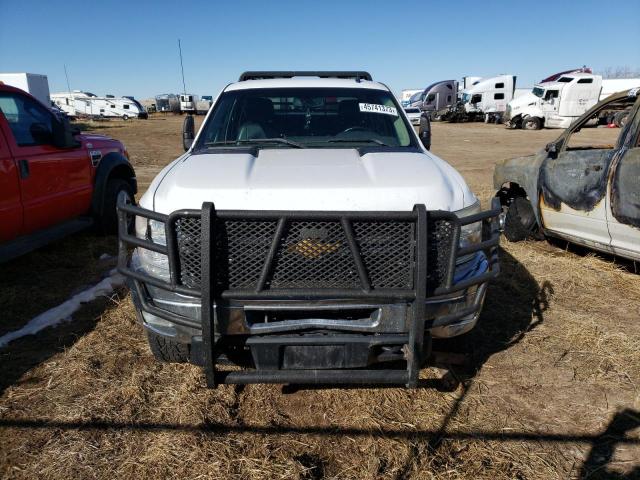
(553, 393)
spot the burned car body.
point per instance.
(584, 193)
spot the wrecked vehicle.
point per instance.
(579, 191)
(307, 236)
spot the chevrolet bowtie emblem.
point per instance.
(312, 248)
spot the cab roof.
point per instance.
(306, 79)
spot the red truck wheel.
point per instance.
(115, 190)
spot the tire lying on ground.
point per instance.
(167, 350)
(520, 222)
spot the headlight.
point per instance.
(469, 234)
(153, 263)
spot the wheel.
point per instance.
(116, 190)
(167, 350)
(531, 123)
(520, 222)
(125, 117)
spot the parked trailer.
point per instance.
(87, 104)
(556, 104)
(33, 83)
(167, 102)
(204, 104)
(188, 103)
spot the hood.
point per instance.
(309, 179)
(523, 101)
(91, 140)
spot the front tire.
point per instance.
(116, 189)
(168, 350)
(520, 222)
(531, 123)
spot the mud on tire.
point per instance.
(167, 350)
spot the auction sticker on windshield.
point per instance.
(375, 108)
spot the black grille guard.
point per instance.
(435, 239)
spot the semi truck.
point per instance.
(482, 99)
(438, 97)
(406, 95)
(557, 103)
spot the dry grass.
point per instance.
(556, 373)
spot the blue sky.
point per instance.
(130, 47)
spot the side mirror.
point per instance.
(424, 133)
(188, 132)
(63, 134)
(552, 150)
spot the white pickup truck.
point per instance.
(307, 236)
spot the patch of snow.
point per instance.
(63, 312)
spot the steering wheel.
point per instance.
(354, 129)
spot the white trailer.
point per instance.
(556, 104)
(79, 103)
(188, 102)
(33, 83)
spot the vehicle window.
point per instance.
(593, 136)
(498, 96)
(430, 98)
(551, 94)
(126, 107)
(499, 85)
(477, 98)
(449, 86)
(318, 117)
(448, 98)
(565, 79)
(585, 80)
(30, 122)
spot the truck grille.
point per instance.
(310, 254)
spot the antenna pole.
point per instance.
(67, 77)
(184, 88)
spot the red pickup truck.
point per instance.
(53, 180)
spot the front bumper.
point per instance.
(308, 333)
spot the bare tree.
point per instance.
(620, 72)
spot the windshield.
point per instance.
(416, 97)
(306, 117)
(538, 92)
(466, 97)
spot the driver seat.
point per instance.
(258, 119)
(349, 115)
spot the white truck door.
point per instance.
(550, 102)
(623, 199)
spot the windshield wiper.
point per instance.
(357, 140)
(256, 141)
